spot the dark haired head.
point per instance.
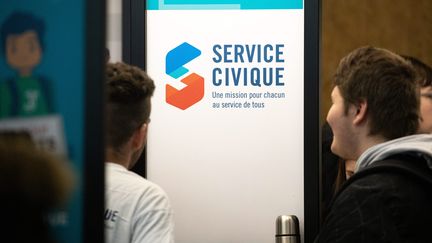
(129, 90)
(20, 22)
(32, 184)
(424, 71)
(387, 83)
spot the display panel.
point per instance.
(234, 138)
(51, 79)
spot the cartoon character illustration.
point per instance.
(22, 45)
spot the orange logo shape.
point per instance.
(189, 95)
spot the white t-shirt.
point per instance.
(136, 210)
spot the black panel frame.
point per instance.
(94, 172)
(312, 131)
(133, 49)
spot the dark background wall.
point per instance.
(403, 26)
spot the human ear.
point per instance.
(360, 112)
(140, 136)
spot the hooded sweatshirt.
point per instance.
(419, 145)
(382, 207)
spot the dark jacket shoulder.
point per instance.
(381, 205)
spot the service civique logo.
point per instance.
(174, 67)
(236, 68)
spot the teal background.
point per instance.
(63, 65)
(222, 4)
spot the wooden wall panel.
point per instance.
(403, 26)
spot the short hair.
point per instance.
(387, 83)
(20, 22)
(128, 106)
(423, 71)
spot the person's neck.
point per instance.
(121, 158)
(25, 72)
(370, 141)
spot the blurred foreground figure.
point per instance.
(32, 183)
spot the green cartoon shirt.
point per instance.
(28, 99)
(5, 100)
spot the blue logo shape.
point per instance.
(179, 56)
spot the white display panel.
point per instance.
(230, 164)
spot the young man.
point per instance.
(374, 112)
(136, 209)
(425, 81)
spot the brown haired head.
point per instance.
(387, 83)
(128, 106)
(423, 71)
(32, 184)
(40, 177)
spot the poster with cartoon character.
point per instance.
(26, 94)
(26, 98)
(43, 90)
